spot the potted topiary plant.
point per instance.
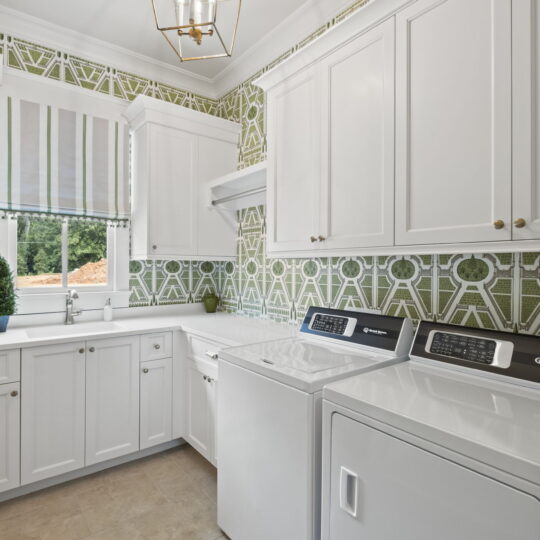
(7, 294)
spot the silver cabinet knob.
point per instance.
(145, 370)
(322, 238)
(212, 355)
(313, 238)
(92, 349)
(154, 246)
(14, 393)
(81, 351)
(157, 346)
(205, 378)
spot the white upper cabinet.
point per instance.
(453, 122)
(294, 162)
(172, 200)
(357, 197)
(175, 152)
(526, 119)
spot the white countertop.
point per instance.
(227, 328)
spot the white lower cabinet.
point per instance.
(52, 410)
(112, 398)
(156, 402)
(201, 408)
(10, 404)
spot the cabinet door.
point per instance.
(10, 407)
(216, 226)
(112, 398)
(52, 410)
(357, 198)
(294, 162)
(453, 121)
(172, 192)
(201, 423)
(374, 475)
(526, 119)
(156, 402)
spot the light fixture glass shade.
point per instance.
(194, 24)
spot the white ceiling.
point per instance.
(129, 24)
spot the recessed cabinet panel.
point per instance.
(453, 138)
(156, 402)
(357, 200)
(294, 163)
(112, 398)
(10, 406)
(52, 410)
(216, 228)
(173, 196)
(526, 120)
(201, 410)
(10, 366)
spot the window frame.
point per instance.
(33, 300)
(64, 288)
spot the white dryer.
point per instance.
(269, 418)
(444, 447)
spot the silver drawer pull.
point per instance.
(212, 355)
(145, 370)
(157, 346)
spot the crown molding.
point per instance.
(21, 25)
(292, 30)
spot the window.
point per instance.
(53, 253)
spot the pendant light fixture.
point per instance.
(194, 23)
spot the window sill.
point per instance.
(35, 302)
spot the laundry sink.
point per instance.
(81, 329)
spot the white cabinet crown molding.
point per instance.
(145, 109)
(359, 22)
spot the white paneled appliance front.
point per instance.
(269, 428)
(446, 446)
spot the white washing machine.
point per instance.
(269, 426)
(444, 447)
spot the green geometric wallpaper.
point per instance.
(497, 291)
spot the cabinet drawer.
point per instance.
(10, 366)
(204, 349)
(155, 346)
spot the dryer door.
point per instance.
(383, 488)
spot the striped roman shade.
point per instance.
(62, 162)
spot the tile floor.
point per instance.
(170, 496)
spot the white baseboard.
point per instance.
(79, 473)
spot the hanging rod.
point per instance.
(247, 193)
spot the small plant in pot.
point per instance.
(7, 294)
(211, 302)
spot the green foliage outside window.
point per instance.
(39, 245)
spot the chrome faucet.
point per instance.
(70, 312)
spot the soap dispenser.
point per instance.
(107, 310)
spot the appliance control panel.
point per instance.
(359, 328)
(490, 351)
(333, 324)
(469, 348)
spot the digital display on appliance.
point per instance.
(463, 347)
(331, 324)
